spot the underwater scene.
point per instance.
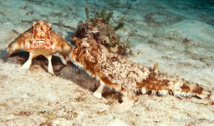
(106, 63)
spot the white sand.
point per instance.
(157, 31)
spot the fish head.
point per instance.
(42, 32)
(86, 54)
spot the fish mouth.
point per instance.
(40, 41)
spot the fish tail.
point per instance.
(160, 84)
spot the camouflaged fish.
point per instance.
(40, 39)
(128, 77)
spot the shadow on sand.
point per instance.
(69, 72)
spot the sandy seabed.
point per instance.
(179, 36)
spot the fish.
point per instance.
(130, 78)
(40, 39)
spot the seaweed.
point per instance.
(114, 44)
(106, 16)
(127, 43)
(98, 28)
(103, 14)
(87, 13)
(119, 26)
